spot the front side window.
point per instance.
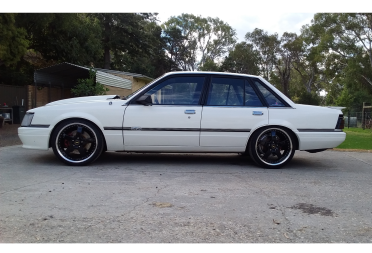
(177, 91)
(270, 98)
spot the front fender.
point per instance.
(80, 115)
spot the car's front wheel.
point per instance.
(271, 147)
(77, 142)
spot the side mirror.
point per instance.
(145, 100)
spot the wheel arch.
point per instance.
(296, 139)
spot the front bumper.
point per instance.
(34, 137)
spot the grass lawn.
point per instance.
(357, 138)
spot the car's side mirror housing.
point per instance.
(145, 100)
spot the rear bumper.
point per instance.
(320, 140)
(34, 138)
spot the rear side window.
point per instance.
(270, 98)
(251, 98)
(226, 91)
(232, 92)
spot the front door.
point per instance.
(173, 119)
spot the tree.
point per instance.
(306, 60)
(63, 37)
(275, 56)
(13, 42)
(89, 86)
(345, 43)
(190, 37)
(177, 50)
(242, 59)
(210, 65)
(154, 62)
(283, 62)
(267, 46)
(123, 33)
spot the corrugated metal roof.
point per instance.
(113, 81)
(110, 71)
(66, 74)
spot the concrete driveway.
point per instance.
(324, 197)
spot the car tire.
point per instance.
(271, 147)
(77, 142)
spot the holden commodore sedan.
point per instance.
(185, 112)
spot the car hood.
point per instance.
(83, 99)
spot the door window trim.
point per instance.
(133, 101)
(252, 80)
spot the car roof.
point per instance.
(209, 72)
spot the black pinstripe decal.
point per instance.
(315, 130)
(39, 126)
(178, 129)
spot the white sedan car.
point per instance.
(185, 112)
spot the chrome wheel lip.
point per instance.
(63, 156)
(289, 153)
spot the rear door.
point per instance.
(232, 109)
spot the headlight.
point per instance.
(27, 119)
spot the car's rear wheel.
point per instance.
(77, 142)
(272, 147)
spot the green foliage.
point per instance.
(308, 99)
(275, 56)
(63, 37)
(88, 86)
(153, 63)
(352, 99)
(267, 46)
(299, 93)
(242, 59)
(209, 65)
(13, 42)
(344, 44)
(123, 34)
(188, 36)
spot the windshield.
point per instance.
(139, 90)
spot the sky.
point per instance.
(243, 23)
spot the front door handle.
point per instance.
(189, 111)
(257, 113)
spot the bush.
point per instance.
(89, 86)
(308, 99)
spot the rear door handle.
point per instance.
(189, 111)
(257, 113)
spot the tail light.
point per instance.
(340, 122)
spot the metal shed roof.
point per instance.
(66, 75)
(139, 76)
(114, 81)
